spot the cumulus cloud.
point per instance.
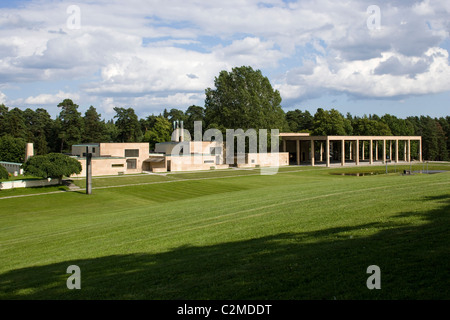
(388, 76)
(51, 99)
(2, 98)
(152, 54)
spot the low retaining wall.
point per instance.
(28, 183)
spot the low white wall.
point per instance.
(27, 184)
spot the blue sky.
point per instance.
(152, 55)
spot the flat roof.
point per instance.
(294, 134)
(351, 138)
(13, 163)
(86, 145)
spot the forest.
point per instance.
(17, 127)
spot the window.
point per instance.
(208, 161)
(117, 165)
(131, 164)
(131, 153)
(93, 150)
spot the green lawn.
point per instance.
(304, 233)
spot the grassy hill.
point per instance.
(304, 233)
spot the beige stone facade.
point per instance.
(113, 158)
(132, 158)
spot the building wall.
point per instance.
(79, 150)
(12, 167)
(191, 162)
(113, 158)
(198, 147)
(28, 184)
(105, 167)
(265, 160)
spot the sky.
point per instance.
(361, 57)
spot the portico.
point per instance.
(306, 149)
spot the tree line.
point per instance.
(242, 98)
(17, 127)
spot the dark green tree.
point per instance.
(3, 115)
(52, 165)
(175, 115)
(160, 132)
(71, 124)
(14, 123)
(111, 131)
(39, 124)
(244, 98)
(300, 121)
(128, 126)
(194, 113)
(369, 127)
(12, 149)
(4, 175)
(331, 123)
(94, 127)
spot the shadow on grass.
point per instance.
(326, 264)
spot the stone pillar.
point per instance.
(409, 150)
(327, 152)
(376, 150)
(420, 149)
(351, 151)
(396, 151)
(390, 150)
(321, 151)
(384, 151)
(371, 152)
(404, 151)
(298, 152)
(357, 152)
(312, 153)
(343, 152)
(363, 153)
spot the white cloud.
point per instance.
(162, 53)
(361, 78)
(51, 99)
(2, 98)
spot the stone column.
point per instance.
(396, 151)
(312, 153)
(343, 152)
(363, 153)
(371, 151)
(351, 151)
(420, 149)
(298, 151)
(327, 152)
(321, 151)
(409, 150)
(384, 151)
(357, 152)
(404, 151)
(376, 150)
(390, 150)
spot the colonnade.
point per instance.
(356, 145)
